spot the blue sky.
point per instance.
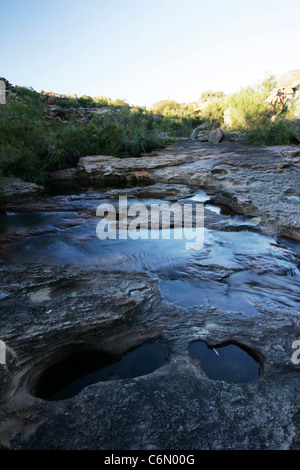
(147, 50)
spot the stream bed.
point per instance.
(238, 269)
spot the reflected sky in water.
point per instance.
(240, 272)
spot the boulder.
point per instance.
(201, 133)
(215, 136)
(102, 170)
(289, 80)
(296, 133)
(209, 97)
(287, 90)
(13, 186)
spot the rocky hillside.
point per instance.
(287, 92)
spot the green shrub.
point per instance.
(279, 132)
(86, 101)
(68, 103)
(212, 94)
(250, 114)
(248, 109)
(214, 111)
(166, 107)
(32, 144)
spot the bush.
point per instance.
(250, 114)
(68, 103)
(22, 136)
(209, 94)
(279, 132)
(166, 107)
(249, 108)
(214, 111)
(32, 144)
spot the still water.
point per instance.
(241, 271)
(68, 377)
(229, 362)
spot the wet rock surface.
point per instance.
(12, 186)
(255, 181)
(112, 304)
(178, 410)
(56, 310)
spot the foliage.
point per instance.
(278, 132)
(166, 107)
(176, 120)
(248, 108)
(214, 111)
(250, 113)
(31, 144)
(89, 102)
(209, 94)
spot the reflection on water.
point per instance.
(229, 362)
(242, 272)
(68, 377)
(11, 222)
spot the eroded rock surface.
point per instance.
(258, 181)
(12, 186)
(47, 312)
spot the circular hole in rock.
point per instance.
(219, 171)
(229, 362)
(79, 369)
(221, 208)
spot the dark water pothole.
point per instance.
(229, 362)
(79, 369)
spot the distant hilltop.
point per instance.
(287, 90)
